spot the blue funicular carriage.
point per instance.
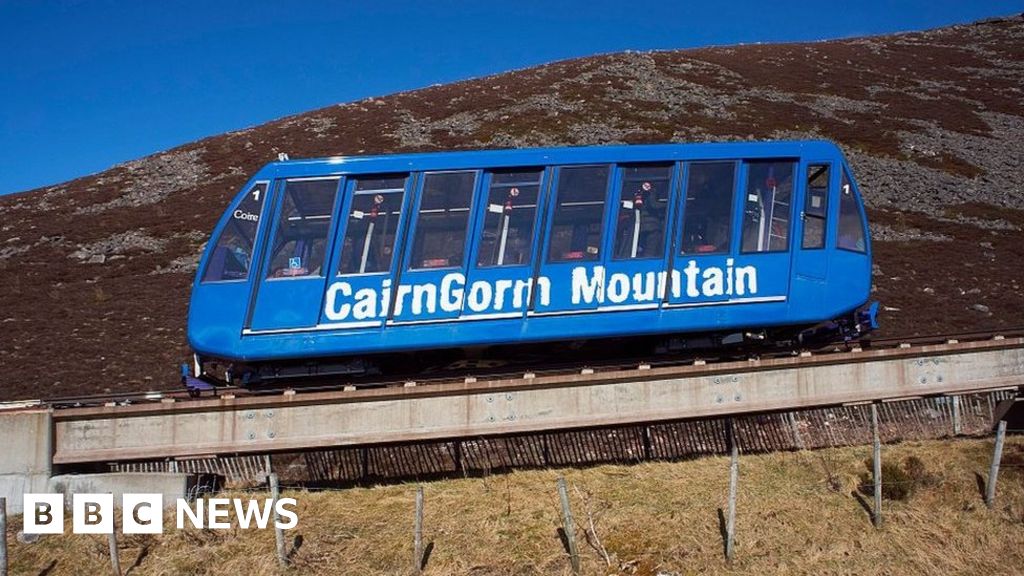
(319, 266)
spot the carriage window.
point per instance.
(443, 219)
(643, 207)
(578, 220)
(231, 256)
(507, 233)
(767, 206)
(372, 225)
(708, 211)
(851, 227)
(815, 206)
(300, 243)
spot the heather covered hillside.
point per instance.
(96, 271)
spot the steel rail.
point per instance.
(178, 394)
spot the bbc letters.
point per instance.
(143, 513)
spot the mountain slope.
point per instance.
(96, 271)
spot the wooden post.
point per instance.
(275, 493)
(957, 425)
(734, 471)
(3, 536)
(993, 471)
(876, 473)
(115, 559)
(568, 526)
(417, 539)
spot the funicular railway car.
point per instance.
(319, 265)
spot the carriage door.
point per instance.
(704, 250)
(761, 271)
(374, 206)
(812, 258)
(635, 262)
(571, 277)
(291, 284)
(432, 282)
(500, 279)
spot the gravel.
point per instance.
(118, 244)
(152, 179)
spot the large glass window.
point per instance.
(232, 254)
(576, 227)
(851, 227)
(707, 216)
(372, 226)
(441, 225)
(816, 206)
(300, 244)
(767, 206)
(507, 235)
(643, 207)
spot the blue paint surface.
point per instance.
(323, 314)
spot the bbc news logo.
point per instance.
(143, 513)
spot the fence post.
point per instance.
(876, 472)
(3, 536)
(115, 559)
(957, 424)
(417, 540)
(568, 526)
(734, 470)
(993, 471)
(275, 493)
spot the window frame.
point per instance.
(686, 171)
(805, 215)
(861, 211)
(795, 164)
(409, 243)
(619, 181)
(480, 213)
(281, 191)
(255, 257)
(552, 208)
(345, 209)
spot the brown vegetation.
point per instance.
(798, 513)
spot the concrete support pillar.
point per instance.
(25, 457)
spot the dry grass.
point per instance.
(796, 514)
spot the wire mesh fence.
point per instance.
(914, 419)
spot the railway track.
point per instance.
(558, 398)
(477, 372)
